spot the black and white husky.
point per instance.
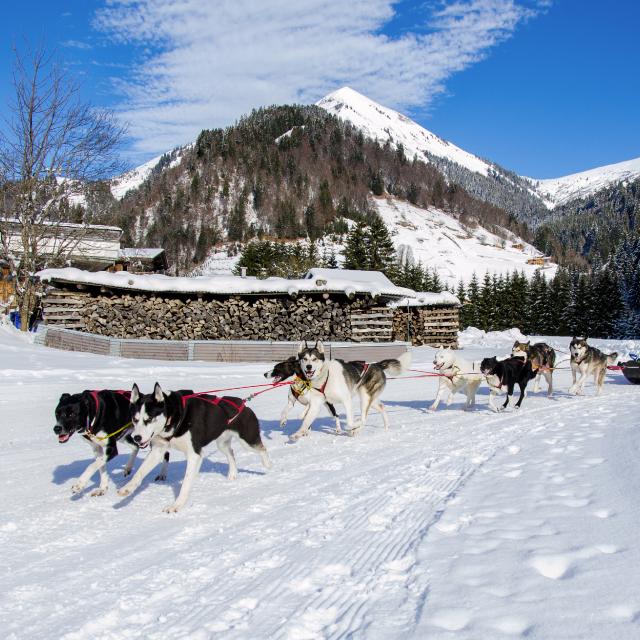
(337, 381)
(101, 418)
(585, 361)
(503, 375)
(299, 391)
(188, 424)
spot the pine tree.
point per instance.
(355, 252)
(472, 315)
(380, 249)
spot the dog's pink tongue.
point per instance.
(64, 437)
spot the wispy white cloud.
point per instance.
(206, 63)
(76, 44)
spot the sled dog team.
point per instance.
(189, 421)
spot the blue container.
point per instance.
(14, 318)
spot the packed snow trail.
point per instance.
(451, 524)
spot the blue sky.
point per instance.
(543, 87)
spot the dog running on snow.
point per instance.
(299, 391)
(456, 375)
(188, 424)
(337, 381)
(99, 417)
(503, 375)
(585, 361)
(543, 360)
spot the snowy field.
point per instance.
(465, 525)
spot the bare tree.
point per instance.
(52, 143)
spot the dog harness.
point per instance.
(300, 386)
(94, 394)
(216, 400)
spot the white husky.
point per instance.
(457, 375)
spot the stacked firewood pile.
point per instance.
(235, 318)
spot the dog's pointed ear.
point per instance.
(302, 347)
(157, 392)
(135, 394)
(319, 346)
(526, 344)
(64, 396)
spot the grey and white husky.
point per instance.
(337, 381)
(585, 361)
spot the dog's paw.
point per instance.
(98, 492)
(172, 508)
(126, 472)
(232, 475)
(432, 408)
(283, 424)
(76, 488)
(161, 477)
(125, 491)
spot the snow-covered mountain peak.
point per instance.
(558, 191)
(382, 123)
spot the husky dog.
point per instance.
(543, 360)
(299, 391)
(503, 375)
(99, 417)
(457, 375)
(587, 360)
(189, 424)
(337, 381)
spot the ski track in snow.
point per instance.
(451, 524)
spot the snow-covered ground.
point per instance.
(440, 242)
(466, 525)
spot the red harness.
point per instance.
(94, 394)
(216, 400)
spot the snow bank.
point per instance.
(326, 280)
(472, 337)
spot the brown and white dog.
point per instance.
(542, 358)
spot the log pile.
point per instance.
(427, 325)
(234, 318)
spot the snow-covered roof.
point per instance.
(427, 299)
(65, 225)
(148, 253)
(353, 275)
(317, 281)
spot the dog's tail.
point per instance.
(396, 366)
(612, 358)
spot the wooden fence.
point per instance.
(207, 350)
